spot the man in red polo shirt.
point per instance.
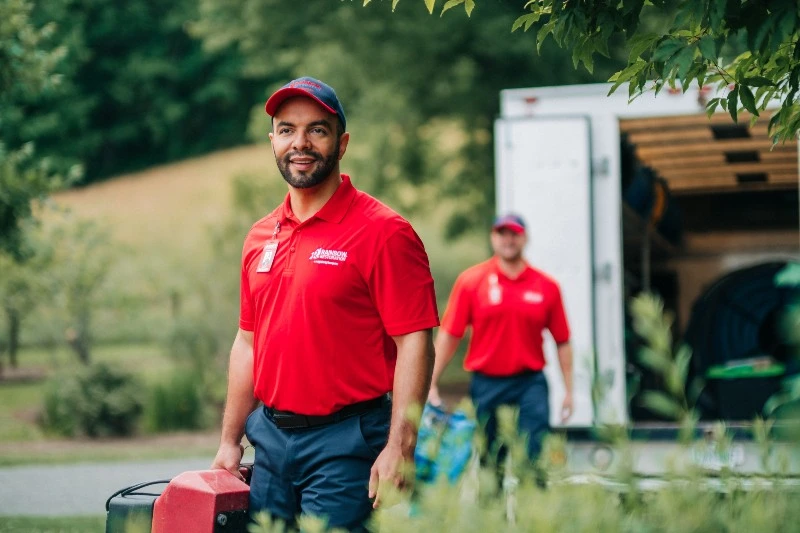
(509, 304)
(336, 310)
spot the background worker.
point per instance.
(336, 310)
(508, 304)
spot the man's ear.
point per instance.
(344, 140)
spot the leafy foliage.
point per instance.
(176, 404)
(420, 93)
(27, 56)
(84, 258)
(136, 89)
(22, 288)
(96, 401)
(23, 181)
(749, 49)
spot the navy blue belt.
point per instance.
(290, 420)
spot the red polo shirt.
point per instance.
(507, 318)
(341, 284)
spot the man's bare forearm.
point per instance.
(445, 348)
(412, 380)
(565, 361)
(240, 401)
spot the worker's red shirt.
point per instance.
(340, 285)
(507, 317)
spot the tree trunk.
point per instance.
(83, 339)
(14, 324)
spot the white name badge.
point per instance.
(270, 249)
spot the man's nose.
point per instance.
(301, 141)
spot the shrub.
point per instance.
(96, 401)
(176, 404)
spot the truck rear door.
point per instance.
(543, 169)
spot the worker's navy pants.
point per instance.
(321, 471)
(527, 391)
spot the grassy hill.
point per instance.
(166, 210)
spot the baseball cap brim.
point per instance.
(281, 95)
(513, 226)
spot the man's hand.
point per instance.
(566, 407)
(229, 457)
(389, 471)
(433, 396)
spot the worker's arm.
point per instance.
(412, 378)
(565, 361)
(239, 403)
(444, 348)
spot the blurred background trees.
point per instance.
(419, 90)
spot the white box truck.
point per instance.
(719, 199)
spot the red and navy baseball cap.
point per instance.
(319, 91)
(509, 221)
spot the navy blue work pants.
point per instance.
(321, 471)
(526, 391)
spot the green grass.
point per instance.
(61, 524)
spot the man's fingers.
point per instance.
(373, 483)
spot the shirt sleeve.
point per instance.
(402, 286)
(458, 314)
(557, 323)
(246, 320)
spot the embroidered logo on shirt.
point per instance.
(533, 297)
(321, 256)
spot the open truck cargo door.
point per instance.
(544, 175)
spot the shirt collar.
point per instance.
(334, 209)
(496, 267)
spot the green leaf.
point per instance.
(748, 100)
(717, 14)
(627, 74)
(654, 360)
(430, 4)
(640, 43)
(733, 103)
(711, 106)
(450, 4)
(543, 33)
(667, 49)
(525, 20)
(758, 81)
(682, 359)
(469, 5)
(683, 60)
(695, 388)
(760, 40)
(708, 48)
(660, 403)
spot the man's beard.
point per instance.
(317, 176)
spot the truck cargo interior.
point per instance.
(710, 217)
